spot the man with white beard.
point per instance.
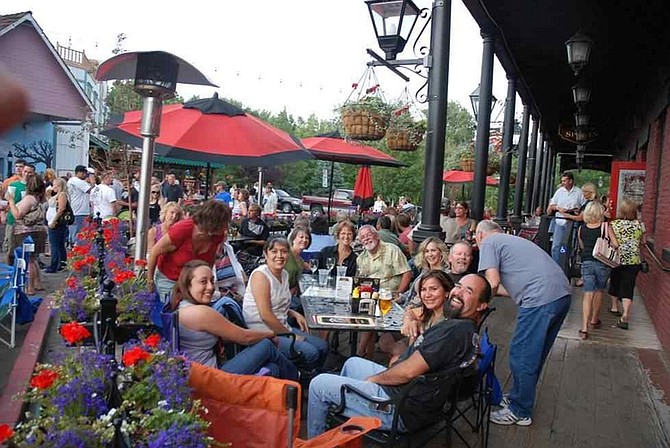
(386, 262)
(460, 259)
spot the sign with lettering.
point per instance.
(569, 133)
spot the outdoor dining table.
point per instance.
(322, 301)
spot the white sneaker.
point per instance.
(504, 403)
(505, 416)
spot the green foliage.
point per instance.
(123, 98)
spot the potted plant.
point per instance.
(78, 300)
(467, 158)
(404, 133)
(366, 118)
(88, 399)
(494, 162)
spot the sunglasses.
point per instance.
(154, 192)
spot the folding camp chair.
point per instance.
(258, 411)
(455, 385)
(12, 283)
(486, 394)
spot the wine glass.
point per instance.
(313, 265)
(330, 263)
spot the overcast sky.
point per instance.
(302, 55)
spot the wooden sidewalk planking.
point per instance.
(591, 394)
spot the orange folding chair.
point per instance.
(260, 411)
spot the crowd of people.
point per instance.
(443, 284)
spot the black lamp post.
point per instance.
(582, 119)
(581, 95)
(156, 74)
(579, 50)
(474, 101)
(10, 164)
(393, 21)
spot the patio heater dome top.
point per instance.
(151, 69)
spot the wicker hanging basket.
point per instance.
(363, 123)
(467, 164)
(402, 140)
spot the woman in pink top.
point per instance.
(194, 238)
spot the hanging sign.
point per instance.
(568, 133)
(324, 178)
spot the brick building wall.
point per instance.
(655, 285)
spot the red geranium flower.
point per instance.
(141, 263)
(74, 332)
(44, 379)
(153, 340)
(122, 277)
(82, 250)
(135, 355)
(72, 282)
(5, 433)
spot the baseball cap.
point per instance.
(90, 170)
(80, 169)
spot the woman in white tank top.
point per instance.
(266, 306)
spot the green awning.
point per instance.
(186, 162)
(95, 141)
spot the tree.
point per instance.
(39, 151)
(123, 98)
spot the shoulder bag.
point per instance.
(67, 218)
(603, 250)
(34, 216)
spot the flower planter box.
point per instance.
(124, 332)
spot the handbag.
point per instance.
(603, 250)
(34, 216)
(67, 218)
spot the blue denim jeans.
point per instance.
(76, 227)
(595, 275)
(262, 354)
(324, 391)
(57, 240)
(314, 349)
(560, 234)
(536, 330)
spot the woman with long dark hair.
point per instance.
(201, 327)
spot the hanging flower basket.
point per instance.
(493, 165)
(404, 132)
(366, 119)
(467, 164)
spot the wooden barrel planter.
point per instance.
(364, 124)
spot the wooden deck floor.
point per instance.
(594, 393)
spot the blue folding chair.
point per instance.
(14, 303)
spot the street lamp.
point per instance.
(581, 95)
(581, 119)
(474, 101)
(156, 74)
(393, 21)
(579, 49)
(10, 164)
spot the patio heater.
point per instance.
(156, 74)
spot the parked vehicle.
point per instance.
(319, 204)
(287, 203)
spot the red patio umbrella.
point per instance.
(363, 191)
(464, 177)
(212, 130)
(333, 148)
